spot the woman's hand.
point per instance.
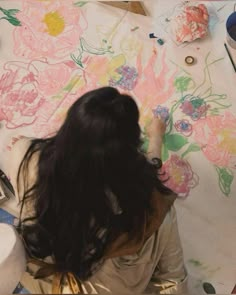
(156, 128)
(155, 131)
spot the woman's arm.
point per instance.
(155, 131)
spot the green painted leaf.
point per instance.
(197, 102)
(10, 16)
(193, 147)
(226, 178)
(76, 60)
(182, 83)
(14, 21)
(174, 142)
(11, 12)
(164, 153)
(195, 262)
(80, 3)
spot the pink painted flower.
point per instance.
(19, 95)
(184, 127)
(180, 174)
(194, 107)
(217, 137)
(25, 90)
(54, 112)
(156, 81)
(48, 29)
(53, 77)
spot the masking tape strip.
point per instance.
(189, 60)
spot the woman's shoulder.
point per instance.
(19, 149)
(20, 145)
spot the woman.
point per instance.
(93, 205)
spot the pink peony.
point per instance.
(217, 137)
(53, 77)
(19, 95)
(49, 29)
(180, 174)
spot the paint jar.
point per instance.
(231, 29)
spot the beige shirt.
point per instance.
(158, 267)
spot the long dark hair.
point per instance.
(92, 181)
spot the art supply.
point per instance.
(208, 288)
(160, 41)
(231, 30)
(191, 23)
(189, 60)
(230, 57)
(134, 29)
(152, 36)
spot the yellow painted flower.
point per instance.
(53, 33)
(130, 46)
(103, 70)
(54, 22)
(114, 64)
(227, 140)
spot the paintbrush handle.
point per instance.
(230, 57)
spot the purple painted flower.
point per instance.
(161, 111)
(184, 127)
(128, 80)
(194, 107)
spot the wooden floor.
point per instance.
(133, 6)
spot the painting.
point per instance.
(54, 51)
(55, 58)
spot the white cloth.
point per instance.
(12, 259)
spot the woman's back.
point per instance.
(89, 185)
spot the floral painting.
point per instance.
(59, 52)
(53, 51)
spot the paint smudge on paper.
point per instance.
(195, 262)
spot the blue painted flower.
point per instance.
(161, 111)
(128, 79)
(184, 127)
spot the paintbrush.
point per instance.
(230, 57)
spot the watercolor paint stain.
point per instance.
(134, 29)
(195, 262)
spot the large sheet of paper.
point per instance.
(54, 51)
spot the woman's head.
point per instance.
(101, 122)
(92, 182)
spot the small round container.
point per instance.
(189, 60)
(231, 30)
